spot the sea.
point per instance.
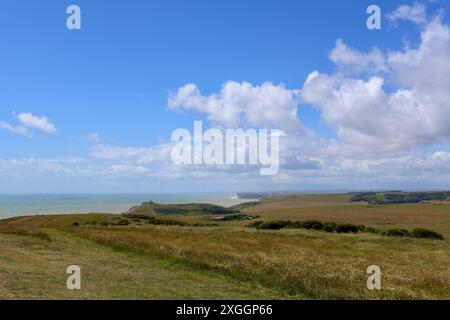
(12, 205)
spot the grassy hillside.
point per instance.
(152, 209)
(33, 268)
(228, 260)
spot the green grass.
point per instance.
(31, 268)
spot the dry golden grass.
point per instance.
(304, 264)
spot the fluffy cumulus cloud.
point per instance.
(408, 107)
(29, 123)
(379, 102)
(242, 104)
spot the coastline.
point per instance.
(53, 204)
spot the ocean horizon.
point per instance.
(12, 205)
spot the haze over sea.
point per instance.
(33, 204)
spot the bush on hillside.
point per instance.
(123, 222)
(398, 233)
(330, 227)
(347, 228)
(311, 224)
(372, 230)
(167, 222)
(275, 225)
(426, 234)
(236, 217)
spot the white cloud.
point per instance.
(153, 154)
(353, 60)
(242, 105)
(413, 113)
(35, 122)
(415, 13)
(377, 102)
(29, 167)
(127, 169)
(29, 124)
(415, 170)
(17, 129)
(426, 67)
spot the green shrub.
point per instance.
(330, 227)
(398, 233)
(236, 217)
(197, 224)
(344, 228)
(92, 223)
(426, 234)
(372, 230)
(123, 222)
(347, 228)
(216, 210)
(275, 225)
(76, 224)
(172, 210)
(165, 222)
(311, 224)
(104, 223)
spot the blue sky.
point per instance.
(113, 78)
